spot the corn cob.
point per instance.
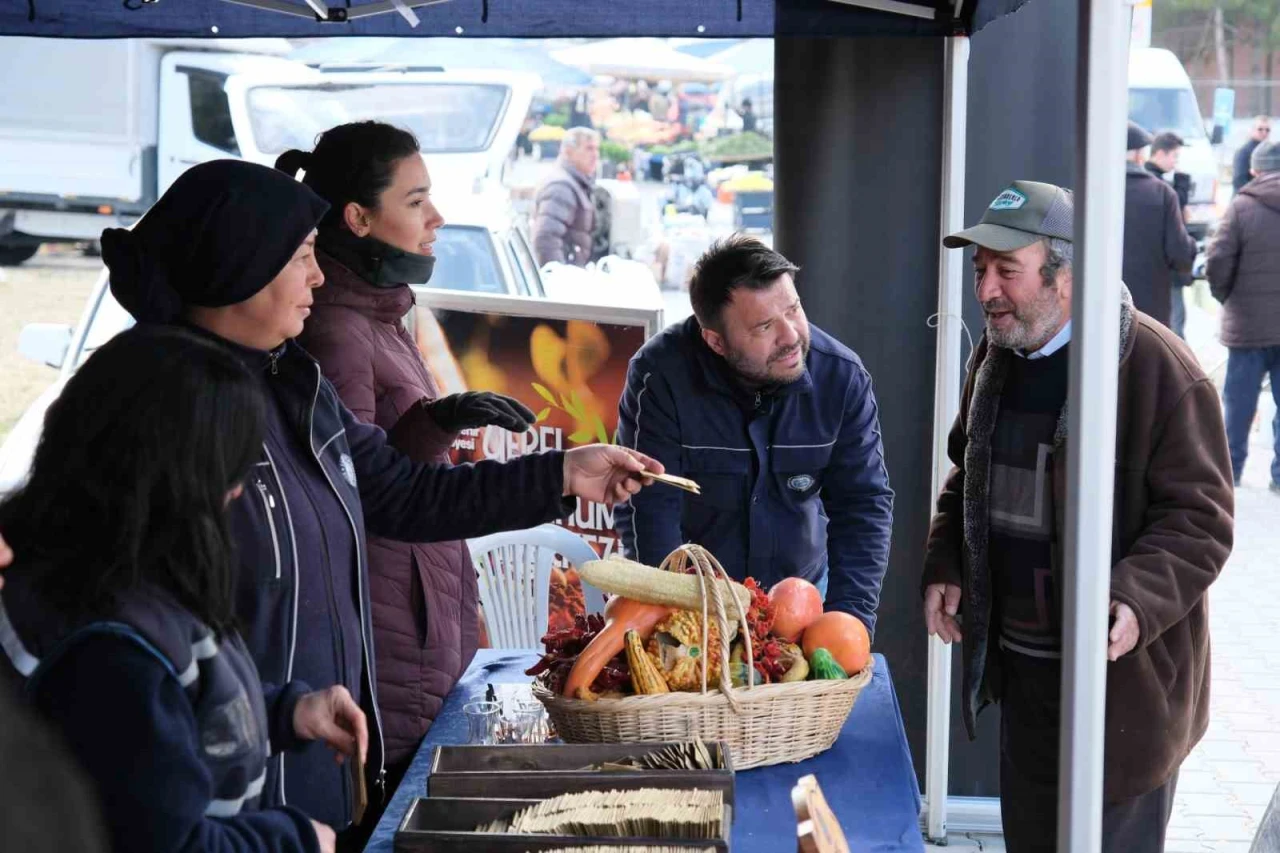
(645, 677)
(618, 576)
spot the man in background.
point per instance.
(1156, 242)
(1241, 171)
(1244, 275)
(1163, 161)
(564, 213)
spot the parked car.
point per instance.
(475, 253)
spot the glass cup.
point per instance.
(482, 722)
(531, 719)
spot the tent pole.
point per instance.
(946, 404)
(1101, 105)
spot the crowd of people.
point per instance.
(245, 559)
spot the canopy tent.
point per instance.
(1102, 43)
(494, 18)
(642, 59)
(749, 56)
(447, 53)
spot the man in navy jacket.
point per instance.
(776, 420)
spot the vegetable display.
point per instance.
(653, 637)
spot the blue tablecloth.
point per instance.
(867, 776)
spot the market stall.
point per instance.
(1100, 114)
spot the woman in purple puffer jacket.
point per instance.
(376, 237)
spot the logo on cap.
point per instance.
(1010, 199)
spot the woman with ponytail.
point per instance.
(229, 252)
(374, 241)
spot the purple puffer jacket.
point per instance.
(425, 619)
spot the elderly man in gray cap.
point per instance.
(1244, 275)
(1156, 244)
(993, 575)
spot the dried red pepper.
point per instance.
(563, 647)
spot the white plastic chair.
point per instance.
(514, 576)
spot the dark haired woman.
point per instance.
(375, 239)
(229, 250)
(119, 611)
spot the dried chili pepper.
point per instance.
(563, 646)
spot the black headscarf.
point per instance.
(219, 235)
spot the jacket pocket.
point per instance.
(724, 475)
(269, 506)
(418, 600)
(798, 471)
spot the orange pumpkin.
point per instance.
(844, 636)
(796, 604)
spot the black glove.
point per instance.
(479, 408)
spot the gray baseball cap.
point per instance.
(1018, 217)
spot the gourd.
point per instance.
(824, 666)
(799, 669)
(645, 677)
(620, 615)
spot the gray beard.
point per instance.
(1028, 336)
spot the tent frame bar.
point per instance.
(895, 6)
(977, 815)
(948, 373)
(317, 10)
(1101, 108)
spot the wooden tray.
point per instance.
(546, 770)
(447, 825)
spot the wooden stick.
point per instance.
(671, 480)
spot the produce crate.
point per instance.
(447, 825)
(548, 770)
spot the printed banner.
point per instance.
(570, 372)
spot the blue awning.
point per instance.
(501, 18)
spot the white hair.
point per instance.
(575, 136)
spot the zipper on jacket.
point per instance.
(380, 784)
(275, 362)
(293, 623)
(268, 504)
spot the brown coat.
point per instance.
(1244, 265)
(425, 621)
(1171, 535)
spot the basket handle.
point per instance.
(707, 567)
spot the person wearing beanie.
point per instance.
(994, 576)
(229, 251)
(1156, 243)
(1244, 275)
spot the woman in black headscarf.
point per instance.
(229, 250)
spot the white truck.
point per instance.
(92, 132)
(1161, 98)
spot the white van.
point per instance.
(1161, 98)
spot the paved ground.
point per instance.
(1228, 780)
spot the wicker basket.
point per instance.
(763, 724)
